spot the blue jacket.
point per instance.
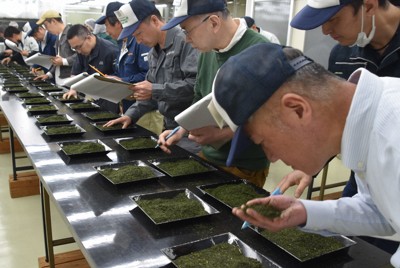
(49, 48)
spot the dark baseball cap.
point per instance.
(109, 11)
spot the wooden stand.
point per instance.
(26, 184)
(72, 259)
(5, 146)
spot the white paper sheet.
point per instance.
(40, 59)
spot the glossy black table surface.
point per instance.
(104, 220)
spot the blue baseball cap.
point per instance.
(316, 13)
(188, 8)
(109, 11)
(262, 69)
(33, 28)
(132, 14)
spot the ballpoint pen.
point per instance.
(277, 191)
(97, 70)
(169, 135)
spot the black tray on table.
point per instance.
(152, 174)
(203, 167)
(28, 95)
(66, 120)
(84, 154)
(100, 116)
(49, 88)
(79, 131)
(313, 246)
(146, 143)
(36, 109)
(18, 89)
(165, 202)
(114, 129)
(173, 253)
(70, 100)
(240, 191)
(36, 101)
(83, 106)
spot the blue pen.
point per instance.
(277, 191)
(169, 135)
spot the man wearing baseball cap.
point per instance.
(131, 64)
(172, 66)
(65, 56)
(210, 28)
(303, 115)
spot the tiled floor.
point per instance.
(21, 231)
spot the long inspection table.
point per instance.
(105, 222)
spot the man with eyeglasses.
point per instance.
(210, 28)
(92, 51)
(172, 67)
(65, 56)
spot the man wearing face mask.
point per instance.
(368, 35)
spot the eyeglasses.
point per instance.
(76, 48)
(186, 32)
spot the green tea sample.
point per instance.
(101, 115)
(53, 118)
(42, 108)
(219, 255)
(171, 209)
(182, 167)
(82, 106)
(36, 100)
(28, 95)
(50, 88)
(304, 246)
(234, 195)
(265, 210)
(138, 143)
(57, 130)
(16, 89)
(113, 127)
(127, 173)
(83, 148)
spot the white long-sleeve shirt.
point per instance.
(371, 147)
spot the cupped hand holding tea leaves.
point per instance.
(282, 212)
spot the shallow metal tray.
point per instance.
(184, 249)
(91, 115)
(37, 112)
(112, 130)
(92, 106)
(119, 140)
(170, 194)
(157, 162)
(106, 151)
(63, 135)
(156, 173)
(67, 121)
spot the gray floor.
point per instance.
(21, 231)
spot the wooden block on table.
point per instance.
(3, 120)
(72, 259)
(5, 146)
(26, 184)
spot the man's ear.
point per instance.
(295, 109)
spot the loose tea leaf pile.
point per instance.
(101, 115)
(182, 167)
(220, 255)
(138, 143)
(127, 173)
(113, 127)
(83, 148)
(82, 106)
(42, 108)
(57, 130)
(28, 95)
(234, 195)
(53, 118)
(265, 210)
(304, 246)
(36, 100)
(171, 209)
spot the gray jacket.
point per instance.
(64, 50)
(172, 70)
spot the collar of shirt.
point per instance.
(354, 147)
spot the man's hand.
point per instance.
(142, 90)
(57, 61)
(124, 120)
(165, 144)
(296, 177)
(70, 93)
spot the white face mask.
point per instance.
(362, 38)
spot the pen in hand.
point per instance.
(277, 191)
(169, 135)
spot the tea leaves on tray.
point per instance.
(303, 245)
(52, 118)
(42, 108)
(62, 130)
(127, 173)
(234, 195)
(83, 148)
(29, 95)
(171, 209)
(81, 106)
(265, 210)
(182, 167)
(36, 100)
(220, 254)
(101, 115)
(138, 143)
(113, 127)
